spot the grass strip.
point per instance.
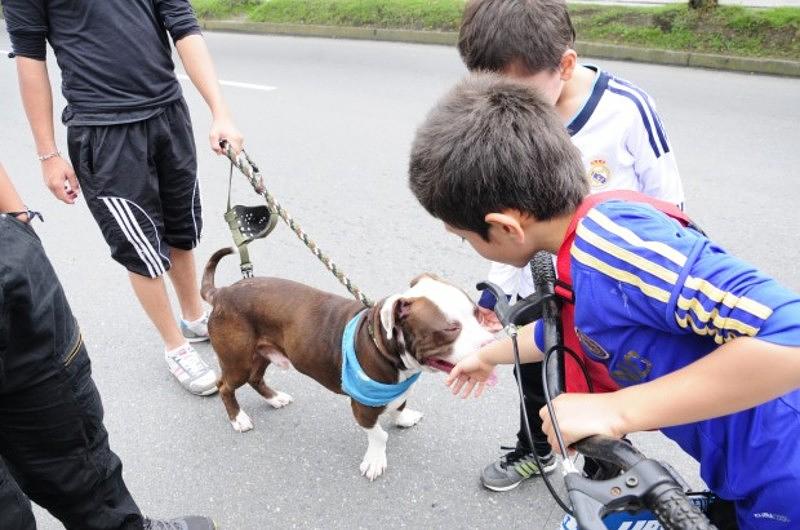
(728, 30)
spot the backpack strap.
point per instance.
(564, 284)
(601, 380)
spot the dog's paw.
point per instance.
(280, 399)
(373, 465)
(408, 418)
(242, 423)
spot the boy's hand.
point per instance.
(223, 129)
(469, 374)
(60, 178)
(582, 415)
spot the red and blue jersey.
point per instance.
(652, 296)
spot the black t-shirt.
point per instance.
(115, 56)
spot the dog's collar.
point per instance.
(356, 383)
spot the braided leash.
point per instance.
(251, 171)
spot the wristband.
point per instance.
(48, 156)
(30, 213)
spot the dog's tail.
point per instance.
(207, 289)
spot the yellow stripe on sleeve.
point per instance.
(618, 274)
(631, 238)
(728, 299)
(714, 317)
(627, 256)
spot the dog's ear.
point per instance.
(394, 309)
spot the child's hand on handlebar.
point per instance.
(583, 415)
(469, 374)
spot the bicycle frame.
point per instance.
(643, 483)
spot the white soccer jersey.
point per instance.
(623, 146)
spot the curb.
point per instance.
(780, 67)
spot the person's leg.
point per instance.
(183, 274)
(153, 297)
(530, 377)
(116, 168)
(519, 462)
(15, 508)
(51, 419)
(176, 164)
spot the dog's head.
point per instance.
(435, 324)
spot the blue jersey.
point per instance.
(651, 297)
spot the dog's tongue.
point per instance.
(444, 366)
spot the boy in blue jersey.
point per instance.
(704, 346)
(612, 122)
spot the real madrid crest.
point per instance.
(599, 173)
(591, 346)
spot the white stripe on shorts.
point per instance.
(142, 252)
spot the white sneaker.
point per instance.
(191, 370)
(196, 330)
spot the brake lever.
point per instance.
(523, 312)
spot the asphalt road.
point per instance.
(333, 138)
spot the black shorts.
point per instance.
(140, 182)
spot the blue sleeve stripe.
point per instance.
(706, 309)
(653, 114)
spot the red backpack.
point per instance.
(598, 373)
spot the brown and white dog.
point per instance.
(258, 321)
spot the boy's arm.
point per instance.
(180, 21)
(736, 376)
(26, 21)
(200, 68)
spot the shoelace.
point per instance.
(190, 361)
(513, 456)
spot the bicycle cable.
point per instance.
(551, 411)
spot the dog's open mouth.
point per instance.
(439, 364)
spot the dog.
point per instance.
(259, 321)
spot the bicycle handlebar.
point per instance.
(644, 482)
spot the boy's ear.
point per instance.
(508, 222)
(568, 63)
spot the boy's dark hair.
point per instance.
(489, 145)
(496, 33)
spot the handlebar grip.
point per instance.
(676, 512)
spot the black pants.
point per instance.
(53, 446)
(531, 378)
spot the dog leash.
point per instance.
(250, 170)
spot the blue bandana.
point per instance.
(356, 383)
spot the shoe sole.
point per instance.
(204, 393)
(501, 489)
(193, 340)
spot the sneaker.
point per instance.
(191, 371)
(190, 522)
(196, 330)
(514, 467)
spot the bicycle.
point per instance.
(642, 483)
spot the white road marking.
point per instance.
(237, 84)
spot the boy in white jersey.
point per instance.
(613, 123)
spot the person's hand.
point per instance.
(60, 178)
(488, 319)
(223, 128)
(582, 415)
(469, 374)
